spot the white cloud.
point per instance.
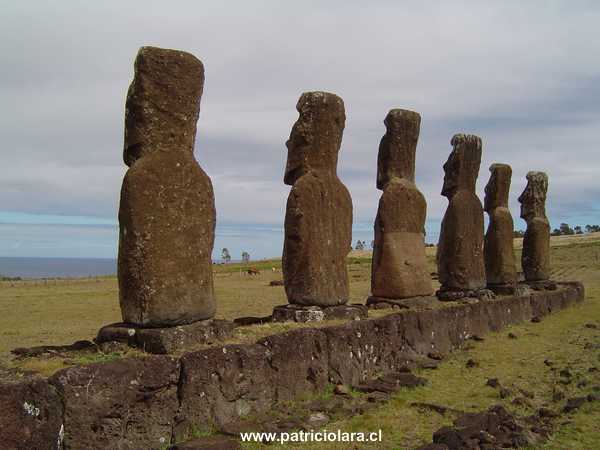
(523, 76)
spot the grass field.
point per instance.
(62, 311)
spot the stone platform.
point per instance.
(423, 302)
(298, 313)
(167, 398)
(452, 295)
(168, 339)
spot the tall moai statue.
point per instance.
(399, 266)
(461, 267)
(500, 268)
(536, 242)
(167, 211)
(318, 219)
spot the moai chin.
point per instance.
(500, 268)
(536, 242)
(318, 220)
(460, 260)
(167, 212)
(399, 266)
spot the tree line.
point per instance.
(564, 229)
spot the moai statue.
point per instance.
(318, 219)
(167, 212)
(500, 268)
(536, 242)
(461, 267)
(399, 266)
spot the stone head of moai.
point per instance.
(316, 136)
(462, 167)
(533, 198)
(396, 158)
(498, 187)
(163, 103)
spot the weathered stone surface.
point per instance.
(399, 266)
(391, 383)
(460, 250)
(222, 385)
(535, 258)
(169, 339)
(126, 404)
(133, 403)
(500, 267)
(299, 313)
(299, 369)
(494, 428)
(209, 443)
(52, 350)
(422, 302)
(31, 416)
(167, 212)
(251, 320)
(318, 220)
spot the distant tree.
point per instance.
(225, 256)
(518, 233)
(555, 232)
(245, 257)
(566, 230)
(578, 229)
(592, 228)
(359, 245)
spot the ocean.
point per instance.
(62, 267)
(56, 267)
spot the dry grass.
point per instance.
(60, 312)
(57, 312)
(517, 363)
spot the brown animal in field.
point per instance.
(253, 271)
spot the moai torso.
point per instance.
(167, 213)
(500, 268)
(460, 249)
(318, 220)
(535, 258)
(399, 267)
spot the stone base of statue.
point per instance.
(300, 313)
(515, 289)
(420, 302)
(542, 285)
(167, 339)
(450, 295)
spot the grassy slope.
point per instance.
(517, 363)
(58, 312)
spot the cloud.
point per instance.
(522, 76)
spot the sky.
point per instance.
(524, 76)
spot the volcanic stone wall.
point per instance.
(147, 402)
